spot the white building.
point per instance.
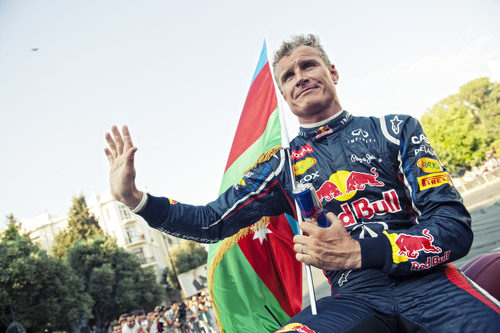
(116, 220)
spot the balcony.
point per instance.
(136, 239)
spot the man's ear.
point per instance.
(334, 74)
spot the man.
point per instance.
(132, 326)
(396, 217)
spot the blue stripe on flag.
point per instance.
(294, 225)
(262, 60)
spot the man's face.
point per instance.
(131, 321)
(117, 329)
(308, 84)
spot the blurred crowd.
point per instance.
(195, 315)
(478, 170)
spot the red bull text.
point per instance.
(310, 205)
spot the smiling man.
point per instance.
(396, 219)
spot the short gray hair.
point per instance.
(287, 48)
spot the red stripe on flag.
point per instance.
(274, 262)
(260, 103)
(454, 276)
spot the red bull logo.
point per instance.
(343, 185)
(322, 131)
(298, 154)
(410, 245)
(295, 327)
(359, 180)
(431, 262)
(363, 208)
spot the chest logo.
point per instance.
(301, 167)
(343, 185)
(298, 154)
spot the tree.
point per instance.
(114, 279)
(81, 225)
(13, 227)
(188, 255)
(43, 291)
(463, 126)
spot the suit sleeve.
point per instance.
(442, 228)
(259, 193)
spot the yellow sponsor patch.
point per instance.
(433, 180)
(429, 165)
(302, 166)
(396, 258)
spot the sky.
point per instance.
(177, 74)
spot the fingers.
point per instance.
(119, 145)
(127, 138)
(111, 144)
(307, 259)
(118, 139)
(109, 155)
(310, 228)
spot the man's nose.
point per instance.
(301, 79)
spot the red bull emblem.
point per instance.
(359, 180)
(298, 154)
(295, 327)
(343, 185)
(410, 245)
(322, 131)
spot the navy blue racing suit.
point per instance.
(383, 180)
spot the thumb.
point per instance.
(335, 221)
(130, 156)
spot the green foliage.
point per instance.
(188, 255)
(12, 231)
(463, 126)
(114, 279)
(81, 225)
(44, 292)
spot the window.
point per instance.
(131, 234)
(139, 254)
(124, 213)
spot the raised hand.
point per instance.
(120, 154)
(329, 248)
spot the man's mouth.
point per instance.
(305, 91)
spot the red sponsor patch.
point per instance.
(298, 154)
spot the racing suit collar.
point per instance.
(336, 123)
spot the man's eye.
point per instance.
(308, 65)
(287, 76)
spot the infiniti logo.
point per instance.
(359, 131)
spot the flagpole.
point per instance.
(285, 143)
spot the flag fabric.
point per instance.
(254, 278)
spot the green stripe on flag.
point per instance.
(235, 296)
(270, 138)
